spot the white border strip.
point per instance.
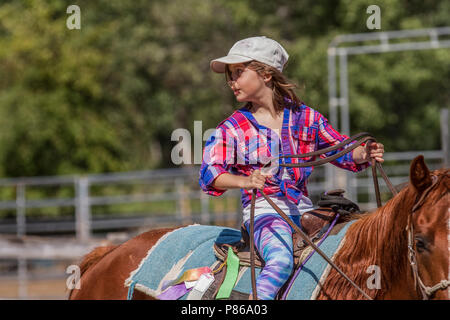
(325, 274)
(143, 288)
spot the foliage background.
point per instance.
(107, 97)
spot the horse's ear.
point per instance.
(419, 174)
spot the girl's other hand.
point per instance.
(256, 180)
(375, 151)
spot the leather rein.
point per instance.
(360, 138)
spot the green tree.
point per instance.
(107, 97)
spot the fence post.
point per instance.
(183, 205)
(445, 141)
(204, 203)
(22, 276)
(83, 210)
(352, 186)
(240, 210)
(328, 177)
(20, 210)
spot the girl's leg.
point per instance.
(273, 239)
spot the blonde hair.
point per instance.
(281, 86)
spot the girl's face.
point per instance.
(247, 84)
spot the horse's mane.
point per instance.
(377, 239)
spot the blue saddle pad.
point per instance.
(180, 250)
(192, 247)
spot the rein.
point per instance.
(360, 138)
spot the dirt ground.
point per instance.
(49, 289)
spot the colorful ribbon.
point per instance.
(230, 277)
(175, 292)
(188, 275)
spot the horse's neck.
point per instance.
(389, 240)
(379, 240)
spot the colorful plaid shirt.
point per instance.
(240, 145)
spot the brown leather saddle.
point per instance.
(314, 223)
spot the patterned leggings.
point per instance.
(273, 239)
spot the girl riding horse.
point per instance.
(272, 122)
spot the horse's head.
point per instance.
(428, 230)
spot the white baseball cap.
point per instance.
(261, 49)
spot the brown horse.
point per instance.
(377, 239)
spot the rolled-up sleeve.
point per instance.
(218, 156)
(327, 137)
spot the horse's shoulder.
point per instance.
(152, 236)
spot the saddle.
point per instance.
(314, 223)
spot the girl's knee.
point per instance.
(281, 265)
(287, 264)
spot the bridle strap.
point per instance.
(443, 284)
(412, 259)
(426, 291)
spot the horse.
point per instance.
(407, 239)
